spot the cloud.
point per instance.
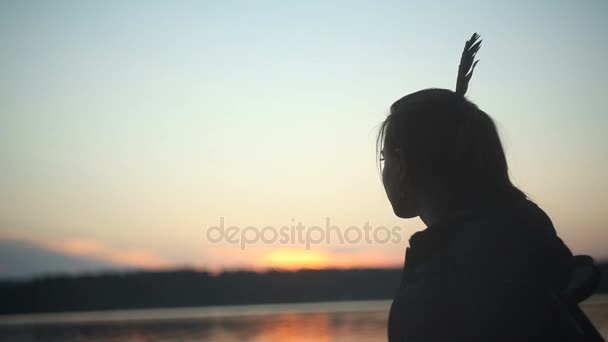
(22, 255)
(96, 249)
(19, 259)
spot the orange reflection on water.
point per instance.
(296, 327)
(340, 321)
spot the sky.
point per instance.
(128, 130)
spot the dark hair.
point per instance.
(448, 142)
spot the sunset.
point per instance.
(242, 139)
(294, 259)
(143, 132)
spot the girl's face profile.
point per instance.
(396, 183)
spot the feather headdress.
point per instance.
(467, 64)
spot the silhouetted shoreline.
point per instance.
(187, 288)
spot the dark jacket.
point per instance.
(493, 276)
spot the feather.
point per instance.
(467, 64)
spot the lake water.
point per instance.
(329, 321)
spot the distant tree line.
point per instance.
(194, 288)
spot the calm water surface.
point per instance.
(330, 321)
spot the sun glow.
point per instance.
(295, 259)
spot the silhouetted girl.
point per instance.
(489, 266)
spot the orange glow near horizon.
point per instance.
(296, 259)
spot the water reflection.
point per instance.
(330, 321)
(322, 327)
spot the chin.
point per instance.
(405, 213)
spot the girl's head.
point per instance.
(437, 147)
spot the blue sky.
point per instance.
(131, 127)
